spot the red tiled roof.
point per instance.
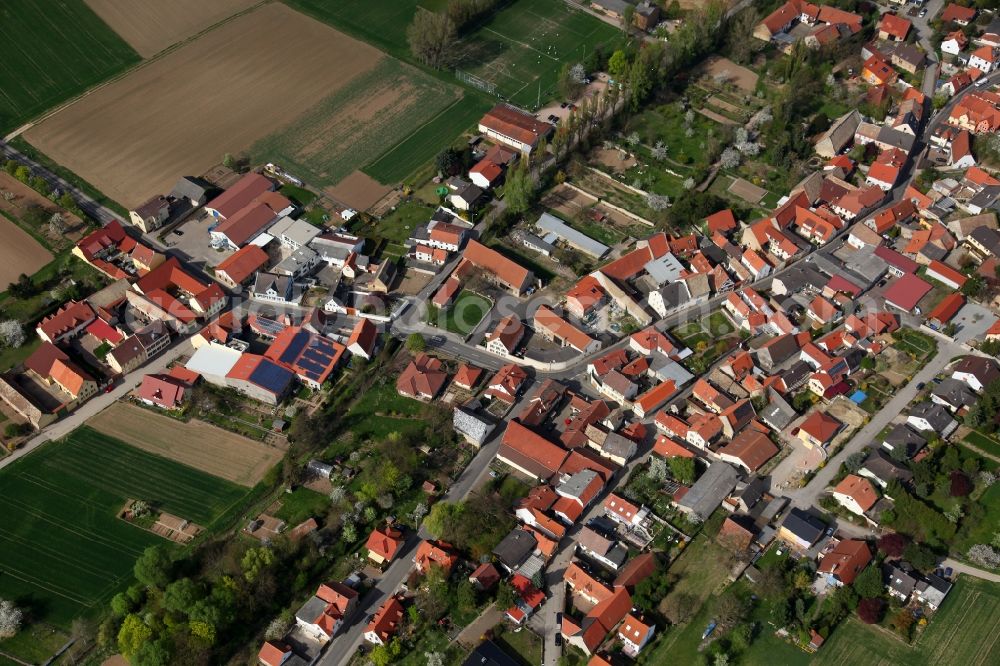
(170, 274)
(162, 390)
(894, 26)
(587, 292)
(243, 263)
(422, 377)
(846, 560)
(507, 271)
(629, 265)
(955, 12)
(385, 542)
(364, 334)
(820, 426)
(437, 553)
(516, 124)
(547, 319)
(531, 451)
(69, 376)
(245, 190)
(668, 448)
(752, 448)
(508, 331)
(859, 489)
(385, 622)
(105, 332)
(467, 375)
(487, 169)
(947, 308)
(247, 223)
(946, 272)
(71, 315)
(907, 291)
(722, 221)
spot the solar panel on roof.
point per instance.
(272, 377)
(295, 347)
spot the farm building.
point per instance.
(567, 234)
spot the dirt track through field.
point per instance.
(196, 444)
(219, 94)
(149, 26)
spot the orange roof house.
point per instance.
(437, 553)
(422, 379)
(856, 494)
(819, 429)
(843, 564)
(242, 265)
(554, 327)
(668, 448)
(467, 376)
(513, 127)
(502, 270)
(529, 452)
(750, 449)
(877, 71)
(584, 296)
(723, 222)
(894, 28)
(385, 623)
(383, 544)
(955, 13)
(68, 321)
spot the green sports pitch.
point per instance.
(51, 51)
(523, 47)
(63, 551)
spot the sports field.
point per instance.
(358, 123)
(50, 51)
(966, 630)
(195, 443)
(63, 553)
(523, 47)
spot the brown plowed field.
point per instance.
(149, 26)
(195, 443)
(220, 93)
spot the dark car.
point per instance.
(178, 232)
(558, 639)
(920, 386)
(559, 619)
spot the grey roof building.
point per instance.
(708, 492)
(193, 189)
(930, 416)
(777, 350)
(804, 527)
(798, 278)
(575, 239)
(899, 581)
(664, 368)
(866, 264)
(598, 547)
(472, 425)
(953, 394)
(515, 548)
(932, 590)
(778, 414)
(882, 469)
(904, 438)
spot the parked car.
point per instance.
(178, 232)
(558, 639)
(921, 385)
(923, 12)
(948, 572)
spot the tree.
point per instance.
(415, 343)
(984, 556)
(23, 174)
(854, 461)
(10, 619)
(153, 653)
(569, 85)
(870, 610)
(679, 607)
(255, 561)
(628, 14)
(450, 161)
(444, 518)
(730, 158)
(659, 151)
(578, 72)
(152, 569)
(431, 37)
(181, 595)
(892, 544)
(973, 286)
(961, 486)
(869, 582)
(618, 64)
(506, 595)
(11, 333)
(132, 635)
(520, 188)
(920, 556)
(657, 202)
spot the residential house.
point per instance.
(800, 529)
(503, 340)
(240, 268)
(750, 449)
(856, 494)
(162, 391)
(383, 544)
(422, 379)
(819, 429)
(553, 327)
(495, 266)
(842, 565)
(928, 416)
(977, 372)
(634, 635)
(513, 127)
(322, 616)
(385, 622)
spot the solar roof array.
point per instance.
(271, 376)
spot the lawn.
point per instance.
(667, 123)
(300, 505)
(523, 47)
(380, 23)
(964, 631)
(355, 126)
(381, 411)
(300, 196)
(464, 314)
(525, 644)
(63, 552)
(398, 225)
(51, 51)
(921, 345)
(400, 162)
(983, 443)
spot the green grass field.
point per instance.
(466, 312)
(63, 553)
(402, 160)
(523, 47)
(382, 23)
(51, 51)
(382, 411)
(966, 630)
(336, 137)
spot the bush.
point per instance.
(870, 610)
(892, 544)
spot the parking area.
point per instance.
(192, 239)
(972, 322)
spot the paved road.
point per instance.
(961, 567)
(88, 205)
(808, 496)
(924, 33)
(95, 405)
